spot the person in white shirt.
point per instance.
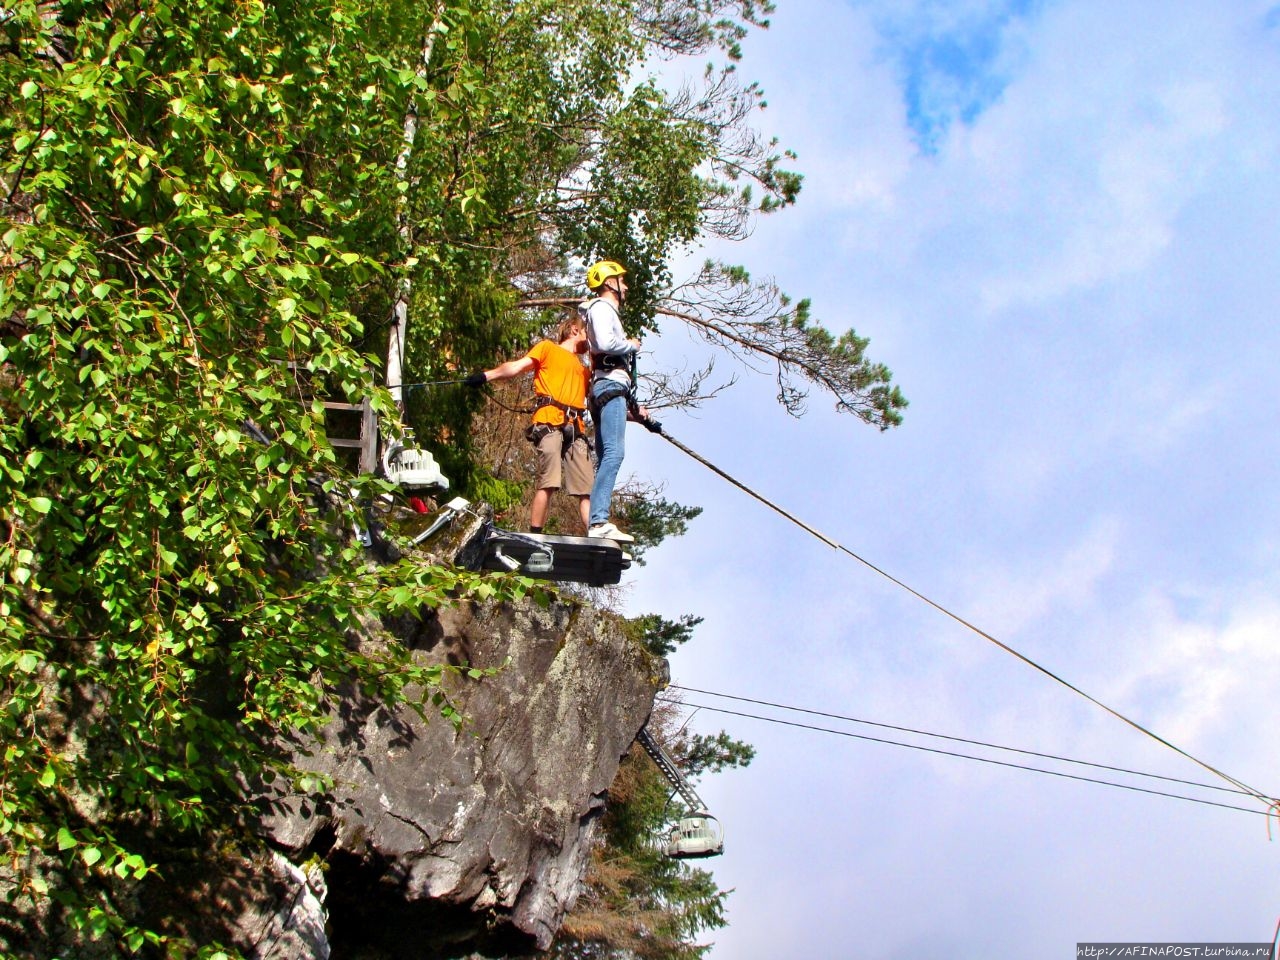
(610, 393)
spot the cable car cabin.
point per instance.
(695, 837)
(591, 560)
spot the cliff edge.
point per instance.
(471, 839)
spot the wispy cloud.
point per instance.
(1112, 205)
(1191, 661)
(1056, 222)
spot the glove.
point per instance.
(476, 380)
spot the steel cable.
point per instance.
(1256, 794)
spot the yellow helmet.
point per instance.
(598, 273)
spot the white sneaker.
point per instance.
(609, 532)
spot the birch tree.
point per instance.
(199, 204)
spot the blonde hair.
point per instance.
(570, 325)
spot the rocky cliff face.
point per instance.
(434, 841)
(443, 841)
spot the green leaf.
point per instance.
(206, 228)
(65, 840)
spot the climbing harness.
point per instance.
(541, 400)
(608, 361)
(572, 428)
(609, 389)
(604, 361)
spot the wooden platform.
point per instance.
(591, 560)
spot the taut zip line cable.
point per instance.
(969, 756)
(1256, 794)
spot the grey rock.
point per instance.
(474, 838)
(296, 930)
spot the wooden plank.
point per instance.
(369, 434)
(366, 439)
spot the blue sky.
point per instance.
(1057, 223)
(952, 59)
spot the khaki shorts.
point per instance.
(572, 466)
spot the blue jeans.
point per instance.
(610, 415)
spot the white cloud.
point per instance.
(1112, 211)
(1074, 178)
(1192, 671)
(1013, 599)
(1077, 294)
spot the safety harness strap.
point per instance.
(609, 361)
(541, 400)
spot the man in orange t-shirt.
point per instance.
(560, 388)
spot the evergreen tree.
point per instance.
(638, 902)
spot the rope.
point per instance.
(657, 428)
(441, 383)
(426, 383)
(747, 490)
